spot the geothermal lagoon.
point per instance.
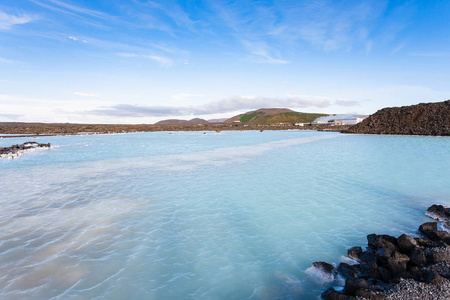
(194, 215)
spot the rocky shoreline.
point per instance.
(45, 129)
(393, 268)
(421, 119)
(18, 150)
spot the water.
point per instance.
(230, 215)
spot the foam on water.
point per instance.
(237, 215)
(320, 276)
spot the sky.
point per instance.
(135, 61)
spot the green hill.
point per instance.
(274, 116)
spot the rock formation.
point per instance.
(420, 119)
(17, 150)
(398, 268)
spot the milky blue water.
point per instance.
(230, 215)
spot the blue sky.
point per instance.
(138, 61)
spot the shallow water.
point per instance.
(188, 215)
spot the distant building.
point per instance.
(336, 122)
(352, 121)
(299, 124)
(340, 119)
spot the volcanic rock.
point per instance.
(406, 243)
(325, 267)
(429, 226)
(397, 268)
(420, 119)
(355, 253)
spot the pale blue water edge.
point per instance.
(230, 215)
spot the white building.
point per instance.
(340, 119)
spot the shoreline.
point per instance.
(41, 129)
(404, 267)
(33, 130)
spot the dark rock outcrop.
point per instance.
(323, 266)
(17, 150)
(389, 261)
(406, 243)
(420, 119)
(332, 294)
(440, 213)
(355, 253)
(346, 270)
(429, 226)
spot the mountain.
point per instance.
(274, 116)
(420, 119)
(180, 122)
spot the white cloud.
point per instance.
(225, 105)
(28, 109)
(164, 48)
(127, 54)
(398, 48)
(8, 21)
(262, 53)
(79, 9)
(86, 94)
(70, 9)
(6, 61)
(163, 61)
(77, 39)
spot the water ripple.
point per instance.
(236, 215)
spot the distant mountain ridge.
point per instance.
(269, 116)
(420, 119)
(180, 122)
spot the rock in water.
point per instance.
(325, 267)
(429, 226)
(440, 213)
(355, 253)
(17, 150)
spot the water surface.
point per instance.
(188, 215)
